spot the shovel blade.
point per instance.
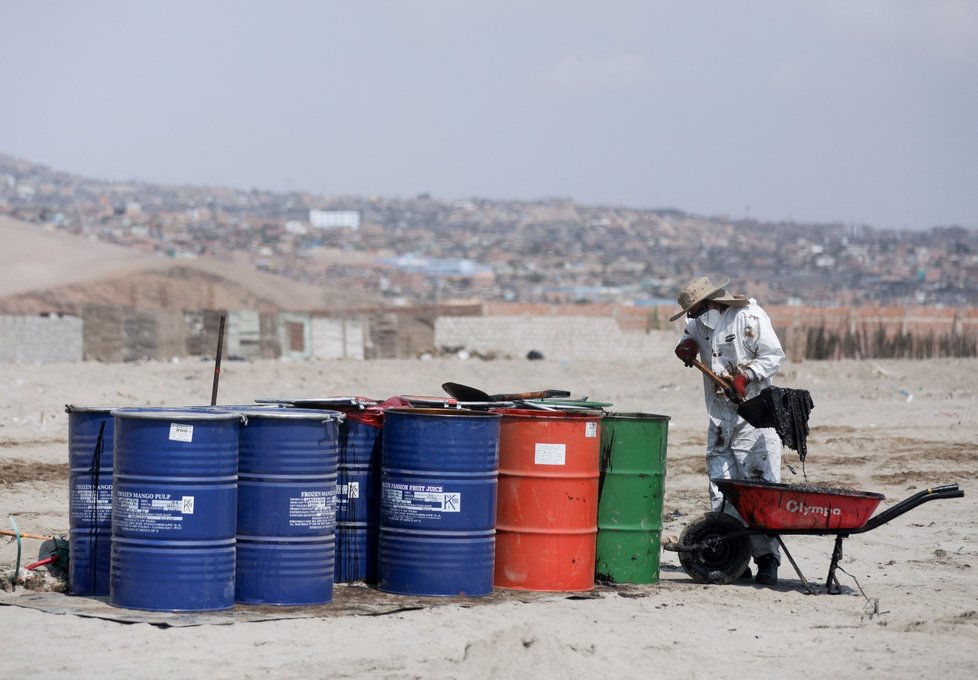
(757, 411)
(465, 393)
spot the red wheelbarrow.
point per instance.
(715, 548)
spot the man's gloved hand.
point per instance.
(687, 350)
(739, 384)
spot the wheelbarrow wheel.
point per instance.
(715, 558)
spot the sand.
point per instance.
(909, 605)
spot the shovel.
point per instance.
(466, 393)
(726, 386)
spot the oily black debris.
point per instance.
(826, 490)
(786, 410)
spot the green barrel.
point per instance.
(633, 470)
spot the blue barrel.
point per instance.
(174, 508)
(358, 497)
(357, 483)
(438, 501)
(286, 506)
(90, 445)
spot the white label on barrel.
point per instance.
(312, 509)
(550, 454)
(181, 433)
(183, 505)
(346, 493)
(416, 502)
(85, 502)
(153, 513)
(590, 429)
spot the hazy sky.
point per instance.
(858, 111)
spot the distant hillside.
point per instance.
(36, 259)
(422, 250)
(46, 271)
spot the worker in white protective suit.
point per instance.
(733, 336)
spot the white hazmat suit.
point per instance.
(741, 340)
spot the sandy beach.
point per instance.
(909, 605)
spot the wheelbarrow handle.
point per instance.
(907, 504)
(943, 488)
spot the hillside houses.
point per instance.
(544, 251)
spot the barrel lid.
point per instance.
(309, 402)
(290, 413)
(435, 401)
(75, 408)
(170, 413)
(572, 404)
(479, 405)
(615, 415)
(577, 414)
(438, 412)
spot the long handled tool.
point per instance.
(24, 534)
(726, 386)
(466, 393)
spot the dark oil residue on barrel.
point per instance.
(607, 448)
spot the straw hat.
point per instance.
(701, 288)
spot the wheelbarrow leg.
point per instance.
(784, 548)
(832, 584)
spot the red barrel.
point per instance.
(547, 508)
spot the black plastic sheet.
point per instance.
(786, 410)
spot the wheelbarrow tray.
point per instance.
(783, 507)
(715, 548)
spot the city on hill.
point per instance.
(424, 250)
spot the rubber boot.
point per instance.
(767, 570)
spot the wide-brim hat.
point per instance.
(701, 288)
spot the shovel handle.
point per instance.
(541, 394)
(24, 534)
(727, 387)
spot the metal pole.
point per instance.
(217, 361)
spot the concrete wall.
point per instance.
(805, 332)
(201, 330)
(40, 339)
(242, 334)
(337, 338)
(113, 333)
(559, 338)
